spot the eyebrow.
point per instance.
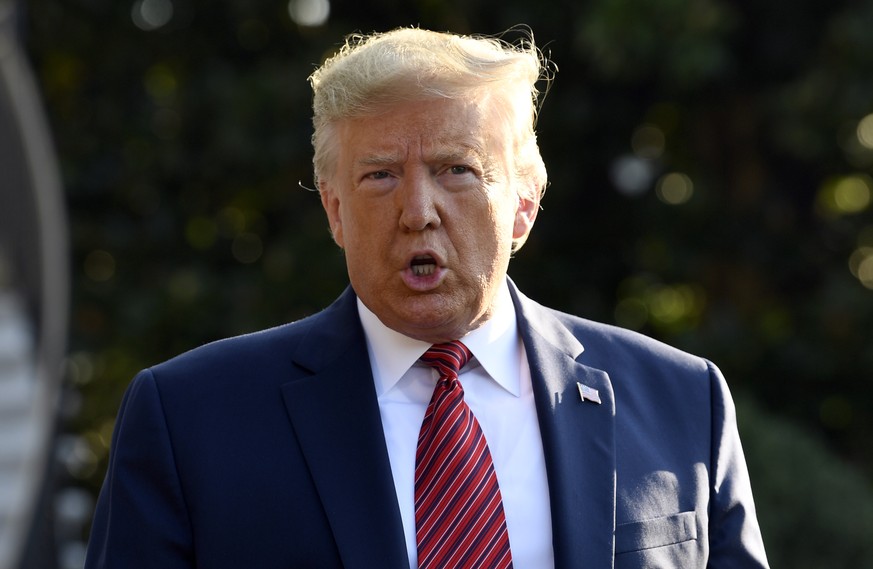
(459, 153)
(378, 160)
(448, 153)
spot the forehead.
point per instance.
(430, 127)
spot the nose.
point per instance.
(417, 197)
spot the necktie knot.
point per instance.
(448, 358)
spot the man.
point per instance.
(330, 442)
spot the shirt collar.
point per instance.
(495, 345)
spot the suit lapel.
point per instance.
(578, 439)
(335, 414)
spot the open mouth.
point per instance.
(423, 265)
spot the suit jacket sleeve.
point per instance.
(734, 536)
(141, 519)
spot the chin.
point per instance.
(430, 325)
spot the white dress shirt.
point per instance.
(497, 387)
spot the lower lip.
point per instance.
(423, 283)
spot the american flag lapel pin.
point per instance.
(588, 393)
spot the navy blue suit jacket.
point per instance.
(266, 451)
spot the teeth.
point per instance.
(423, 270)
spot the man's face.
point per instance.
(424, 201)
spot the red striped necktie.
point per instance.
(459, 517)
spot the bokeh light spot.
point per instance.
(77, 456)
(80, 368)
(309, 13)
(668, 304)
(149, 15)
(852, 194)
(644, 301)
(858, 256)
(631, 175)
(865, 132)
(675, 188)
(861, 265)
(846, 195)
(865, 272)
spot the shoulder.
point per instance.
(264, 358)
(638, 365)
(277, 346)
(242, 375)
(601, 345)
(240, 350)
(606, 342)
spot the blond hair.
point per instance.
(370, 73)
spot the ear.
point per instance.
(525, 216)
(331, 203)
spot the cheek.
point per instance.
(488, 235)
(362, 227)
(504, 220)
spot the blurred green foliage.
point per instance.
(710, 167)
(815, 512)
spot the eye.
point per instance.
(380, 175)
(458, 170)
